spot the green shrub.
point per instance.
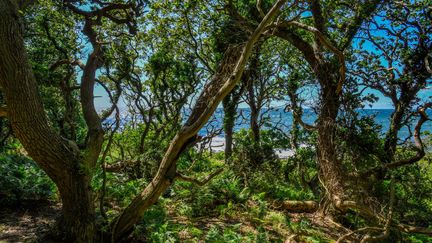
(22, 179)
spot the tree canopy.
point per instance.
(119, 103)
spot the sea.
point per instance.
(282, 120)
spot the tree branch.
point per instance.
(420, 153)
(318, 16)
(321, 36)
(258, 6)
(365, 12)
(304, 47)
(199, 182)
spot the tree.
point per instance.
(402, 72)
(70, 167)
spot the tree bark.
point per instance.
(392, 134)
(167, 169)
(229, 131)
(330, 165)
(230, 105)
(252, 77)
(58, 157)
(77, 223)
(228, 123)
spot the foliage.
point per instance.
(21, 179)
(116, 82)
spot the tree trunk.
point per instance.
(254, 124)
(58, 157)
(78, 217)
(228, 123)
(330, 165)
(252, 77)
(392, 135)
(230, 104)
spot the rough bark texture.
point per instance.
(3, 111)
(330, 164)
(58, 157)
(328, 76)
(330, 72)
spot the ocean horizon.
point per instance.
(283, 120)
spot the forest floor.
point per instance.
(31, 220)
(28, 221)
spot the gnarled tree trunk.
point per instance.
(78, 213)
(330, 165)
(58, 157)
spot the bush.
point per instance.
(22, 179)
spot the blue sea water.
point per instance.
(283, 120)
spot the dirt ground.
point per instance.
(28, 221)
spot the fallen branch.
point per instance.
(297, 206)
(368, 213)
(413, 229)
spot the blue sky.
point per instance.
(102, 101)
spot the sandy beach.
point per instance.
(217, 144)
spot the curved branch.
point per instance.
(199, 182)
(95, 133)
(25, 110)
(341, 57)
(258, 6)
(420, 153)
(303, 46)
(417, 140)
(67, 61)
(300, 121)
(114, 99)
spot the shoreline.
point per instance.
(217, 144)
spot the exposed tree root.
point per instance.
(366, 212)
